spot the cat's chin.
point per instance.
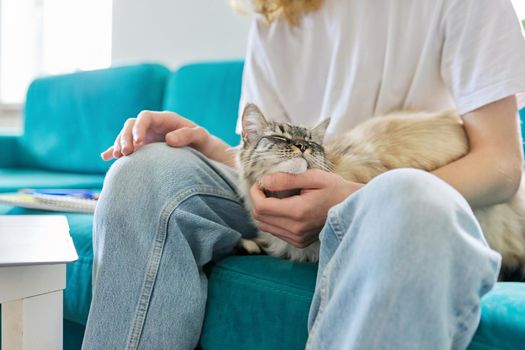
(290, 166)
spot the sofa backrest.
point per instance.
(522, 122)
(208, 93)
(70, 119)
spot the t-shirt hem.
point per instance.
(490, 94)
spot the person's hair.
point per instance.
(290, 10)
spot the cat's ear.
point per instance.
(319, 130)
(253, 122)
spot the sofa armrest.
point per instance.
(9, 149)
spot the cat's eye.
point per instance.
(281, 138)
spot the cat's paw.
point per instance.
(251, 247)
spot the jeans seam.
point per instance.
(138, 320)
(462, 322)
(322, 305)
(333, 221)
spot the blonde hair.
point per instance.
(290, 10)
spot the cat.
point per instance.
(406, 139)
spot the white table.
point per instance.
(34, 251)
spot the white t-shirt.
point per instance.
(354, 59)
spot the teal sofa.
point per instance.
(255, 302)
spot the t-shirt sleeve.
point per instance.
(257, 82)
(483, 57)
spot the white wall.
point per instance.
(174, 32)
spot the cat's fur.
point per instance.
(419, 140)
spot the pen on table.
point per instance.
(77, 193)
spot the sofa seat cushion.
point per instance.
(77, 295)
(502, 323)
(13, 179)
(264, 299)
(254, 293)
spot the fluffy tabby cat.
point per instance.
(420, 140)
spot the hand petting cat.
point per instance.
(299, 219)
(169, 127)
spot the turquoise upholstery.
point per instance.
(255, 302)
(249, 294)
(208, 94)
(70, 119)
(502, 323)
(265, 299)
(8, 147)
(12, 179)
(522, 123)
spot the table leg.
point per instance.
(33, 323)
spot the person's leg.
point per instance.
(163, 214)
(403, 265)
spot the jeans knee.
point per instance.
(415, 192)
(136, 189)
(145, 175)
(411, 223)
(151, 161)
(410, 207)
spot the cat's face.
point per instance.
(271, 147)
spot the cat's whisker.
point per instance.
(262, 157)
(258, 160)
(326, 166)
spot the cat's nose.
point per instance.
(301, 145)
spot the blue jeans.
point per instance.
(403, 262)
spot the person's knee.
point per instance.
(144, 173)
(408, 206)
(411, 222)
(413, 185)
(415, 193)
(150, 160)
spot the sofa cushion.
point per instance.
(70, 119)
(208, 94)
(502, 323)
(8, 146)
(11, 180)
(266, 301)
(522, 123)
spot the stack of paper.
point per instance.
(49, 202)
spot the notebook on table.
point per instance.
(80, 201)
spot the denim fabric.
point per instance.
(163, 214)
(403, 262)
(403, 265)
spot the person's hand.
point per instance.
(298, 219)
(150, 127)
